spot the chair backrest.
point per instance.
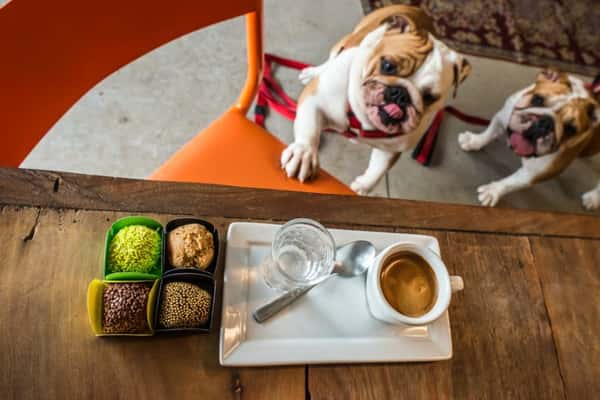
(53, 51)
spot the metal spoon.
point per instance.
(352, 259)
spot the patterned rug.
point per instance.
(561, 33)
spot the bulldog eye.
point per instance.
(569, 129)
(387, 67)
(428, 97)
(537, 101)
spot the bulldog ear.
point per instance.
(462, 68)
(398, 22)
(549, 74)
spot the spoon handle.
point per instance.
(264, 312)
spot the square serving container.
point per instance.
(95, 306)
(154, 273)
(175, 223)
(198, 278)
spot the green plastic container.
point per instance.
(155, 272)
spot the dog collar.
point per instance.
(355, 130)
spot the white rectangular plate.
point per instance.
(330, 324)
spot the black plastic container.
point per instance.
(198, 278)
(176, 223)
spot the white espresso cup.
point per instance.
(446, 284)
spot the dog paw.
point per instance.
(307, 74)
(591, 200)
(300, 161)
(362, 185)
(469, 141)
(490, 194)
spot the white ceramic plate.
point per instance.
(330, 324)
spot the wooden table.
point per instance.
(527, 324)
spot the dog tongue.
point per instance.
(520, 145)
(393, 110)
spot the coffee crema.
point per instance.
(408, 284)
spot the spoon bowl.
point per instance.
(354, 258)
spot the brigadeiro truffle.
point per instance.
(184, 305)
(135, 248)
(124, 308)
(190, 246)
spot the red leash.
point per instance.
(272, 95)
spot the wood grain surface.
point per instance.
(570, 274)
(525, 327)
(503, 345)
(66, 190)
(47, 346)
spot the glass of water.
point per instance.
(302, 253)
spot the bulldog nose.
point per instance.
(546, 123)
(540, 128)
(396, 94)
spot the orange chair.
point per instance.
(53, 52)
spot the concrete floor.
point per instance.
(135, 119)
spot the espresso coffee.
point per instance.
(408, 284)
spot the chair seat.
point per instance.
(235, 151)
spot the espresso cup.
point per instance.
(445, 284)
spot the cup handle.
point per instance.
(456, 283)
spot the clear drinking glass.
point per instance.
(302, 253)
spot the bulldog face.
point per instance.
(554, 112)
(407, 75)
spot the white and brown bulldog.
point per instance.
(392, 75)
(548, 124)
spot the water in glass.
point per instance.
(303, 252)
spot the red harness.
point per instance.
(355, 130)
(272, 95)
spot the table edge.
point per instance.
(37, 188)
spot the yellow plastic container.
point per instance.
(94, 306)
